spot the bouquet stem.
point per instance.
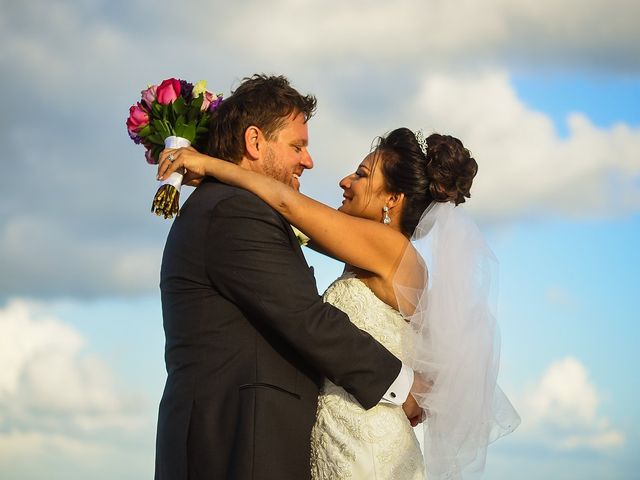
(166, 202)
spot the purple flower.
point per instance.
(134, 136)
(185, 89)
(215, 103)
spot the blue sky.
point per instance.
(546, 96)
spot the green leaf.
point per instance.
(156, 138)
(157, 125)
(155, 152)
(197, 103)
(180, 128)
(204, 120)
(189, 132)
(145, 131)
(161, 128)
(157, 109)
(179, 106)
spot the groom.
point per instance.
(248, 338)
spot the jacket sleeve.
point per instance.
(251, 261)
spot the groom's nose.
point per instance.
(306, 161)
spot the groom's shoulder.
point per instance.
(221, 197)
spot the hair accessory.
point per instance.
(421, 141)
(385, 215)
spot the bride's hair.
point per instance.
(443, 174)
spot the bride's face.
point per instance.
(364, 193)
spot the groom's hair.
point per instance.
(261, 101)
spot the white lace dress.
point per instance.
(348, 442)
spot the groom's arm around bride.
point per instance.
(249, 341)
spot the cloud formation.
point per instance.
(74, 212)
(49, 385)
(63, 415)
(524, 163)
(526, 168)
(595, 34)
(560, 412)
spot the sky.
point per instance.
(545, 94)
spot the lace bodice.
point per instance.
(368, 312)
(347, 441)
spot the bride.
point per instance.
(402, 193)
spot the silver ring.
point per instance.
(170, 157)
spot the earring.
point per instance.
(385, 215)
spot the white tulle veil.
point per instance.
(446, 287)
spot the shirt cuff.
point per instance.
(400, 388)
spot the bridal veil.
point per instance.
(446, 287)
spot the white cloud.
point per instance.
(72, 262)
(564, 395)
(560, 411)
(440, 33)
(34, 455)
(48, 383)
(79, 225)
(54, 44)
(80, 44)
(525, 166)
(23, 337)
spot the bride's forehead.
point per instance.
(371, 161)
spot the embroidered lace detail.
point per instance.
(348, 442)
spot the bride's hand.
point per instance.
(413, 411)
(185, 159)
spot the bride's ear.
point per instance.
(253, 139)
(395, 200)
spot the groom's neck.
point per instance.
(252, 165)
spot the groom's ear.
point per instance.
(253, 140)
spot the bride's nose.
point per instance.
(345, 182)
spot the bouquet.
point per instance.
(173, 114)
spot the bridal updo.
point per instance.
(444, 174)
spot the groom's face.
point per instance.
(286, 156)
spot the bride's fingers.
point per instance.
(166, 152)
(171, 153)
(168, 167)
(162, 158)
(162, 168)
(171, 161)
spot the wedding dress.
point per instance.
(348, 442)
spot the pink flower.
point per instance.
(206, 100)
(210, 102)
(138, 118)
(168, 91)
(148, 155)
(149, 96)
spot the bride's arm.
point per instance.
(363, 243)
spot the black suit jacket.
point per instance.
(248, 342)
